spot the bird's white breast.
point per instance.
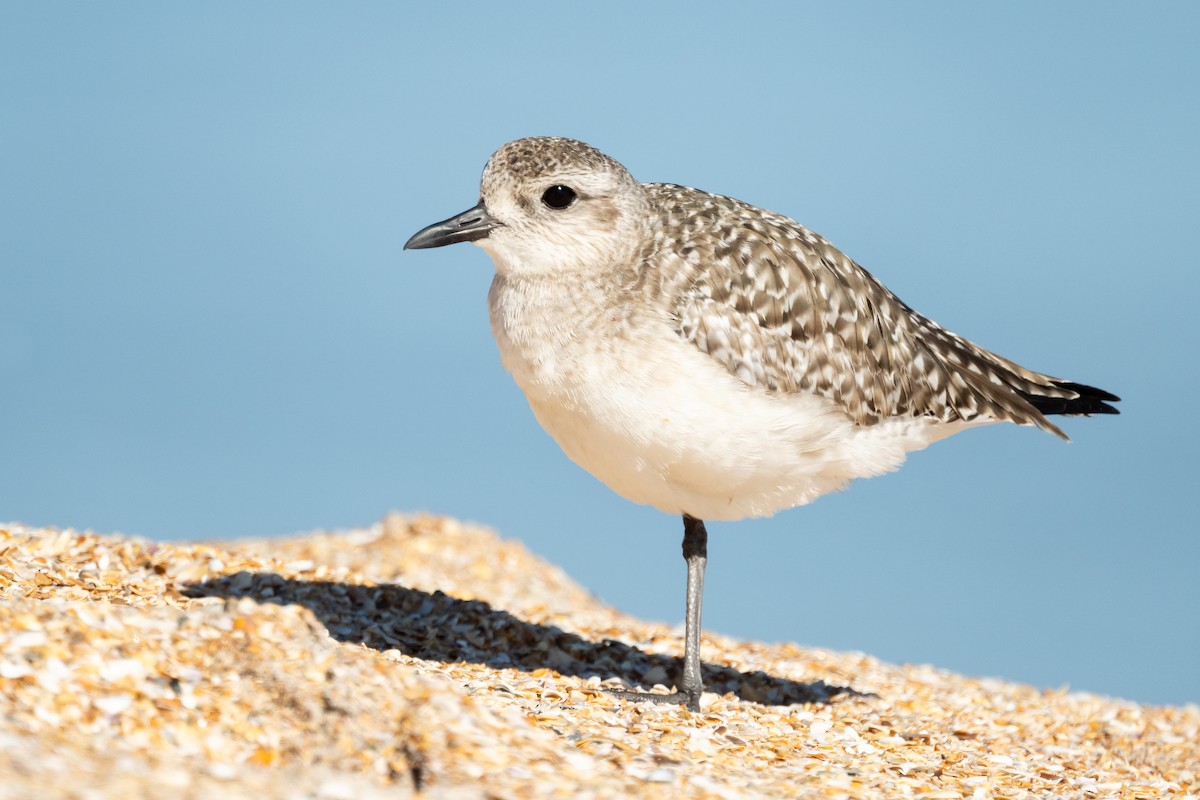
(660, 422)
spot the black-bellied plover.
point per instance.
(712, 359)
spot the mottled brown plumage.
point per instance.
(781, 308)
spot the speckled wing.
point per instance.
(781, 308)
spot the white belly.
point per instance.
(661, 423)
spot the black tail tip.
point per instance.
(1090, 400)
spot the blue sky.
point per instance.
(209, 328)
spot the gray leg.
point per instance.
(695, 553)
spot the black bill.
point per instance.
(472, 224)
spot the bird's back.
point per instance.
(784, 310)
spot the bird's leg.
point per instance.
(695, 553)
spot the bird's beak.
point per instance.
(473, 224)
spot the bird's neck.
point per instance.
(536, 318)
(547, 308)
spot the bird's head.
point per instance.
(550, 205)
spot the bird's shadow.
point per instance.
(437, 627)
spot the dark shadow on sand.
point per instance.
(437, 627)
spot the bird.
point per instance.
(712, 359)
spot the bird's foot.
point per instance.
(683, 697)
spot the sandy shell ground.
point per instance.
(421, 657)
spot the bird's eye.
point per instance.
(558, 197)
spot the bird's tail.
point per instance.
(1086, 400)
